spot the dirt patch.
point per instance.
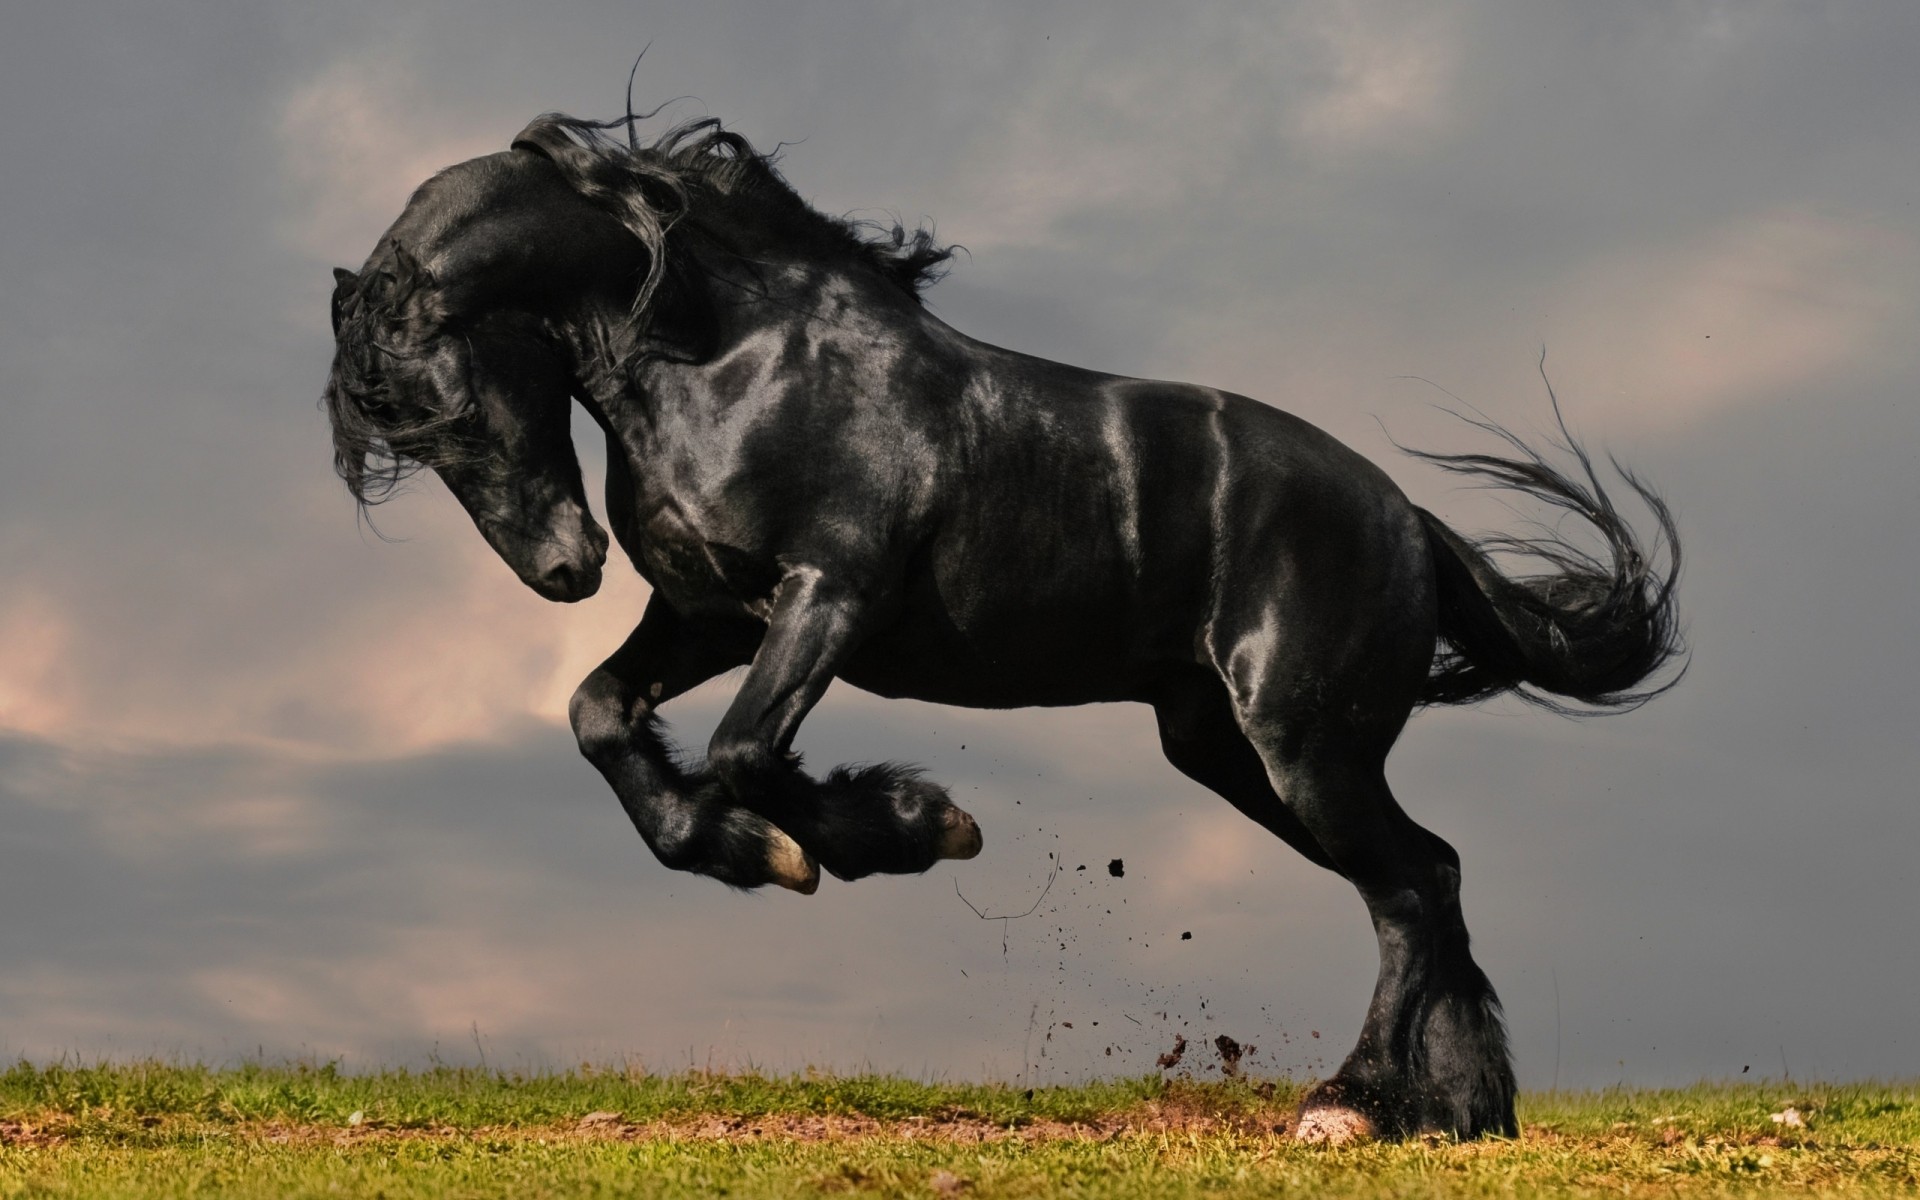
(969, 1129)
(21, 1133)
(1179, 1110)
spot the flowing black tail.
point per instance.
(1593, 630)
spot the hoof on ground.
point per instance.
(1332, 1127)
(959, 834)
(790, 866)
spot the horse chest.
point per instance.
(698, 573)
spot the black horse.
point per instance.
(821, 480)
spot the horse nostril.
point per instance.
(566, 581)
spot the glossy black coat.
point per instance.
(822, 480)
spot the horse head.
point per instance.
(458, 347)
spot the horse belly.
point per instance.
(941, 671)
(1004, 639)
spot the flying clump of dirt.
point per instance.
(1117, 868)
(1171, 1059)
(1231, 1053)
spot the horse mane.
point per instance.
(376, 445)
(708, 181)
(697, 182)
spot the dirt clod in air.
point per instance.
(1230, 1054)
(1187, 936)
(1171, 1059)
(1117, 868)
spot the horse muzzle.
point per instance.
(568, 569)
(567, 582)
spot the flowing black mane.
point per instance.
(377, 444)
(701, 180)
(696, 189)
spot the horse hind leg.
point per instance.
(1199, 736)
(1432, 1053)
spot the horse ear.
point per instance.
(345, 283)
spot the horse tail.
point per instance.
(1593, 630)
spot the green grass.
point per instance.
(149, 1129)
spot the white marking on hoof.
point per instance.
(1332, 1127)
(791, 867)
(961, 837)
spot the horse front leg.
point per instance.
(857, 821)
(686, 819)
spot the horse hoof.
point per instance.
(790, 866)
(1332, 1127)
(959, 834)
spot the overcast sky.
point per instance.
(271, 785)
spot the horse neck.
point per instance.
(750, 294)
(740, 300)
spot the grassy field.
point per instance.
(152, 1129)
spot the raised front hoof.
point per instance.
(933, 824)
(959, 833)
(883, 820)
(1333, 1125)
(789, 866)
